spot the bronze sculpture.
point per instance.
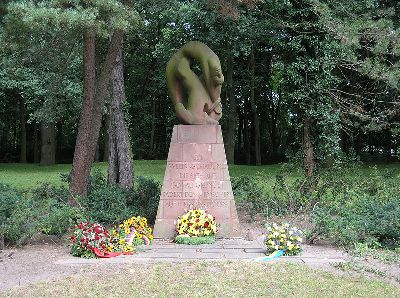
(203, 104)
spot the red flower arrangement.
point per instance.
(88, 238)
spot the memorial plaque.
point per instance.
(196, 176)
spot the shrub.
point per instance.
(107, 204)
(250, 194)
(9, 197)
(366, 219)
(145, 197)
(45, 211)
(110, 204)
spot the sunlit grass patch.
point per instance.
(210, 279)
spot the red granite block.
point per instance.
(221, 185)
(199, 134)
(195, 185)
(193, 152)
(220, 139)
(175, 152)
(197, 176)
(218, 153)
(174, 137)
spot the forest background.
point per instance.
(316, 79)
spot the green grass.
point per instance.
(209, 279)
(26, 176)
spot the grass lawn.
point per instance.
(25, 176)
(209, 279)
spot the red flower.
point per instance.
(206, 224)
(82, 240)
(96, 237)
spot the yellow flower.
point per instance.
(121, 241)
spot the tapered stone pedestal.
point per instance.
(197, 176)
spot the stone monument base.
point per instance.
(197, 176)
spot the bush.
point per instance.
(369, 220)
(348, 205)
(250, 194)
(45, 211)
(145, 197)
(107, 204)
(110, 204)
(9, 197)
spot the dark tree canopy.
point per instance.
(306, 78)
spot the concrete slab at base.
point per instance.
(197, 176)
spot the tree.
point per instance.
(120, 168)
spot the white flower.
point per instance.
(276, 247)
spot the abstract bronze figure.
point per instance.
(203, 103)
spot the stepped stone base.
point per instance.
(197, 177)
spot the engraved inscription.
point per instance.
(196, 203)
(197, 166)
(207, 195)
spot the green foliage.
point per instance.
(145, 197)
(194, 240)
(366, 219)
(107, 204)
(112, 203)
(348, 204)
(250, 194)
(45, 211)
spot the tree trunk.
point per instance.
(256, 120)
(81, 162)
(229, 137)
(48, 148)
(120, 169)
(91, 115)
(22, 158)
(308, 149)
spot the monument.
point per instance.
(197, 173)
